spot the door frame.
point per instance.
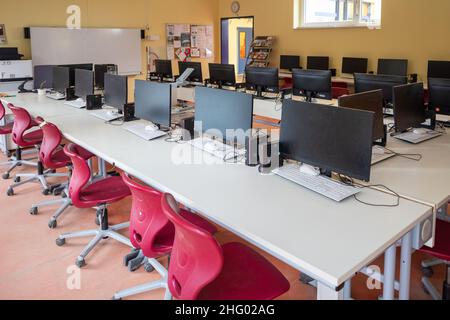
(228, 18)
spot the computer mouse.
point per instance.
(309, 170)
(80, 100)
(151, 128)
(378, 150)
(210, 147)
(111, 113)
(420, 131)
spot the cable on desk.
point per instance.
(349, 181)
(410, 156)
(116, 122)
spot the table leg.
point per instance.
(389, 273)
(405, 267)
(348, 290)
(324, 292)
(102, 168)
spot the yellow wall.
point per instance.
(413, 29)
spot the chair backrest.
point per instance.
(51, 141)
(196, 259)
(339, 92)
(2, 110)
(22, 122)
(81, 173)
(148, 221)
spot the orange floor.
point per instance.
(33, 267)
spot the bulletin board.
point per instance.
(185, 41)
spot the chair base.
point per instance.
(159, 284)
(64, 204)
(17, 161)
(40, 178)
(99, 235)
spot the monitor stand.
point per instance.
(382, 142)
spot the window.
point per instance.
(337, 13)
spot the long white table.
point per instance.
(328, 241)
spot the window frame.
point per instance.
(299, 19)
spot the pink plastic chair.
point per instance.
(339, 92)
(152, 233)
(52, 156)
(97, 194)
(6, 130)
(202, 269)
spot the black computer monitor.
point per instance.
(73, 67)
(369, 82)
(439, 95)
(153, 102)
(439, 69)
(369, 101)
(262, 80)
(84, 83)
(393, 67)
(43, 76)
(100, 70)
(318, 63)
(163, 69)
(334, 139)
(312, 84)
(197, 75)
(116, 91)
(409, 107)
(289, 62)
(221, 113)
(222, 74)
(61, 79)
(354, 65)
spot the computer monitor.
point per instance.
(334, 139)
(43, 76)
(354, 65)
(409, 107)
(73, 67)
(100, 70)
(393, 67)
(61, 79)
(312, 84)
(289, 62)
(439, 69)
(153, 102)
(197, 75)
(318, 63)
(439, 95)
(163, 69)
(116, 91)
(369, 82)
(369, 101)
(222, 74)
(84, 83)
(222, 112)
(262, 80)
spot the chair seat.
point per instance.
(164, 241)
(104, 191)
(442, 248)
(33, 138)
(60, 159)
(246, 275)
(6, 129)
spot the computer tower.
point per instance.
(94, 102)
(188, 126)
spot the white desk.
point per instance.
(328, 241)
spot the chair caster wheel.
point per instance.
(80, 263)
(428, 272)
(46, 192)
(63, 195)
(8, 154)
(5, 176)
(10, 192)
(133, 255)
(135, 263)
(52, 224)
(57, 192)
(17, 179)
(148, 267)
(34, 211)
(60, 242)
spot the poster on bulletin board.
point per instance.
(186, 41)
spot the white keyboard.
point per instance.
(222, 151)
(56, 96)
(418, 138)
(76, 104)
(320, 184)
(139, 130)
(105, 115)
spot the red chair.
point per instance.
(52, 156)
(339, 84)
(153, 233)
(202, 269)
(97, 194)
(440, 251)
(339, 92)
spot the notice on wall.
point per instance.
(189, 41)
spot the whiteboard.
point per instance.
(56, 46)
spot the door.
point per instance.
(245, 39)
